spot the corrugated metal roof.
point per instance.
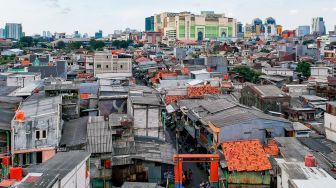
(148, 99)
(269, 91)
(57, 167)
(38, 106)
(99, 135)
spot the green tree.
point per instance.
(247, 73)
(121, 43)
(60, 44)
(308, 42)
(265, 50)
(26, 42)
(96, 44)
(303, 68)
(215, 49)
(74, 45)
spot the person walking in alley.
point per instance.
(190, 174)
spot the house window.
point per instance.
(98, 66)
(44, 134)
(107, 66)
(41, 134)
(37, 135)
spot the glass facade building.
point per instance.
(13, 31)
(149, 24)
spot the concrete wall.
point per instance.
(25, 132)
(22, 81)
(319, 71)
(47, 154)
(330, 126)
(146, 119)
(282, 179)
(278, 72)
(76, 178)
(254, 129)
(108, 63)
(219, 62)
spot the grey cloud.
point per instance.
(65, 10)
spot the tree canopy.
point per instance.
(75, 45)
(60, 45)
(247, 73)
(26, 41)
(121, 43)
(308, 42)
(96, 44)
(303, 68)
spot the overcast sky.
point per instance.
(88, 16)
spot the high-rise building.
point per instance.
(279, 29)
(99, 34)
(49, 35)
(149, 24)
(13, 31)
(248, 30)
(76, 34)
(188, 26)
(257, 26)
(44, 34)
(2, 33)
(303, 30)
(85, 35)
(270, 26)
(240, 32)
(239, 27)
(318, 26)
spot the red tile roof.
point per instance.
(7, 183)
(32, 179)
(272, 148)
(245, 155)
(142, 59)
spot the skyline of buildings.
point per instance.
(12, 31)
(175, 25)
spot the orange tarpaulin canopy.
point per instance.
(213, 128)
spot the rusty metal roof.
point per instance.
(245, 155)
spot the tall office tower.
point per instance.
(44, 34)
(2, 33)
(149, 23)
(318, 26)
(13, 31)
(76, 34)
(240, 32)
(99, 34)
(303, 30)
(270, 26)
